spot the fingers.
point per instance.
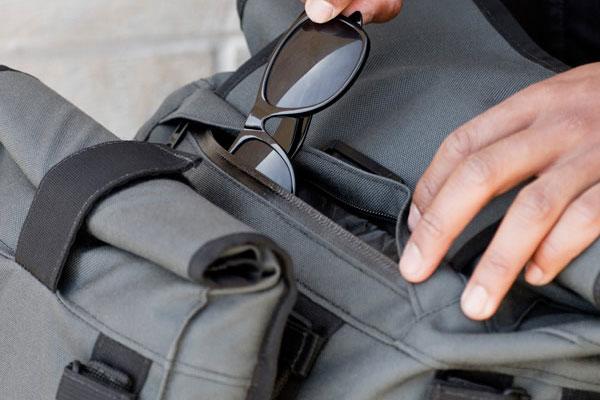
(577, 229)
(528, 221)
(375, 10)
(512, 115)
(324, 10)
(472, 184)
(372, 10)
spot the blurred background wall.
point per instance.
(118, 59)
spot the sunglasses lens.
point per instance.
(260, 156)
(315, 63)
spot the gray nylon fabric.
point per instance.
(430, 70)
(184, 225)
(127, 280)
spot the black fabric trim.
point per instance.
(263, 378)
(114, 372)
(354, 157)
(251, 65)
(211, 253)
(120, 357)
(78, 383)
(5, 68)
(307, 332)
(72, 187)
(572, 394)
(503, 21)
(473, 248)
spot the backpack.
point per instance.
(161, 269)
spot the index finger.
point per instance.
(512, 115)
(467, 190)
(324, 10)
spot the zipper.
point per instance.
(333, 233)
(355, 242)
(375, 214)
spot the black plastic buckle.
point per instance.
(301, 345)
(95, 381)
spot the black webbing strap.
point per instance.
(469, 385)
(306, 332)
(72, 187)
(572, 394)
(114, 372)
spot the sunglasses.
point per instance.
(311, 68)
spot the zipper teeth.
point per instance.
(363, 247)
(357, 207)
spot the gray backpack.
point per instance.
(139, 270)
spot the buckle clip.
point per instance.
(94, 381)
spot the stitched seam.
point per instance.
(335, 305)
(173, 153)
(356, 171)
(595, 384)
(183, 114)
(299, 352)
(396, 289)
(92, 198)
(159, 119)
(393, 343)
(202, 377)
(520, 368)
(548, 331)
(84, 209)
(412, 324)
(159, 358)
(369, 180)
(510, 39)
(78, 152)
(7, 252)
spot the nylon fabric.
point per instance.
(430, 70)
(116, 283)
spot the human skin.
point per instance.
(372, 10)
(547, 135)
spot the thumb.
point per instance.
(323, 10)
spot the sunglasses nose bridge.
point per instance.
(261, 111)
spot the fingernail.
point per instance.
(475, 302)
(534, 274)
(320, 10)
(414, 215)
(410, 263)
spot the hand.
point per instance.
(372, 10)
(549, 132)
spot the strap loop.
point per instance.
(115, 372)
(68, 192)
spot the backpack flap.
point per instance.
(155, 267)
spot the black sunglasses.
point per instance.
(311, 67)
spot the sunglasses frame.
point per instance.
(254, 128)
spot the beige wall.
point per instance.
(117, 59)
